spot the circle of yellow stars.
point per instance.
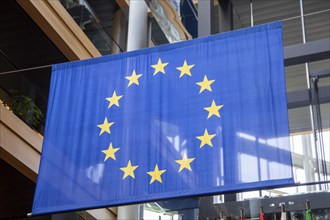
(184, 163)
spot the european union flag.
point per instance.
(204, 116)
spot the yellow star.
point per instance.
(213, 109)
(114, 99)
(105, 127)
(133, 78)
(185, 163)
(185, 69)
(159, 67)
(206, 139)
(110, 152)
(129, 170)
(205, 84)
(156, 174)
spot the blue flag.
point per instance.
(205, 116)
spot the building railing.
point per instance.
(92, 26)
(24, 99)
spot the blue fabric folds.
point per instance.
(204, 116)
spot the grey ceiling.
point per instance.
(24, 45)
(317, 25)
(317, 17)
(21, 40)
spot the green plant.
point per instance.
(27, 110)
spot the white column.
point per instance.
(130, 212)
(137, 37)
(137, 25)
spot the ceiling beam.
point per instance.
(300, 98)
(309, 52)
(61, 29)
(20, 146)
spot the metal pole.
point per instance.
(251, 13)
(27, 69)
(315, 80)
(311, 110)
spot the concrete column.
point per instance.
(230, 197)
(137, 38)
(130, 212)
(119, 32)
(207, 13)
(137, 25)
(225, 16)
(204, 17)
(226, 24)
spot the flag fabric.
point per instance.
(193, 118)
(262, 216)
(308, 215)
(241, 214)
